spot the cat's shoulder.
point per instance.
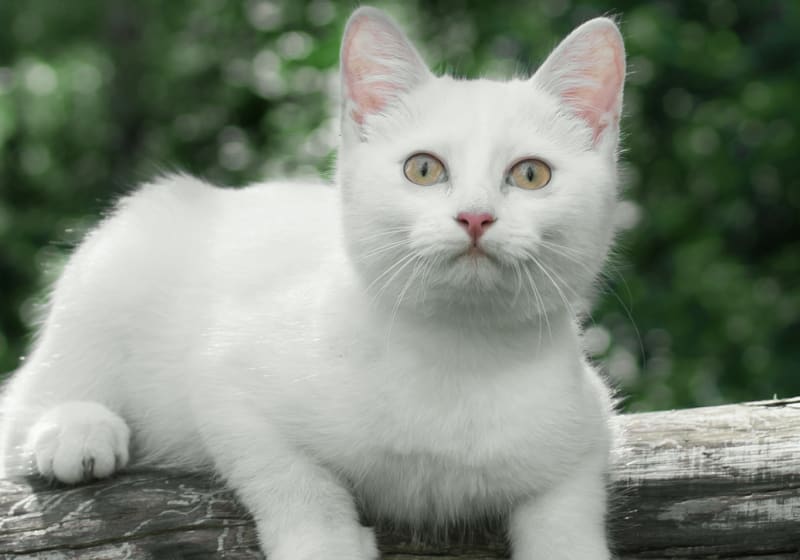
(183, 187)
(179, 196)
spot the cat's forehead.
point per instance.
(486, 97)
(462, 112)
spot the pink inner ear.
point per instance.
(593, 83)
(369, 96)
(362, 72)
(355, 69)
(377, 64)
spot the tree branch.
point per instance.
(699, 483)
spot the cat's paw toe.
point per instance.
(79, 441)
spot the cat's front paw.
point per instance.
(351, 543)
(78, 441)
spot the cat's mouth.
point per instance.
(477, 255)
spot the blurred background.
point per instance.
(701, 304)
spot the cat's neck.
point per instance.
(469, 346)
(475, 338)
(479, 317)
(470, 333)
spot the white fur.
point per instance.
(319, 345)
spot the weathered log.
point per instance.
(718, 482)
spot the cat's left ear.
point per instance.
(586, 73)
(378, 64)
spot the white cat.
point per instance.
(406, 340)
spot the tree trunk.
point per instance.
(717, 482)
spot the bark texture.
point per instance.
(717, 482)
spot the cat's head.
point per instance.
(475, 195)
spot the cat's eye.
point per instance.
(424, 169)
(529, 174)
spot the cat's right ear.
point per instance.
(378, 65)
(587, 73)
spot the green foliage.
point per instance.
(700, 304)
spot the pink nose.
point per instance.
(475, 224)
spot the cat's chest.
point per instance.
(421, 417)
(444, 454)
(466, 397)
(418, 435)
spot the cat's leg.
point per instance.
(57, 422)
(79, 440)
(566, 522)
(113, 345)
(57, 409)
(302, 511)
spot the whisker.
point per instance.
(518, 288)
(529, 294)
(425, 278)
(561, 294)
(401, 263)
(607, 288)
(401, 296)
(562, 251)
(382, 249)
(385, 232)
(565, 248)
(539, 305)
(409, 259)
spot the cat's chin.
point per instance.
(474, 271)
(484, 282)
(475, 252)
(476, 262)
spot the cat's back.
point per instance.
(151, 277)
(185, 255)
(183, 207)
(182, 228)
(279, 229)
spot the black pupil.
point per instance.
(529, 173)
(423, 169)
